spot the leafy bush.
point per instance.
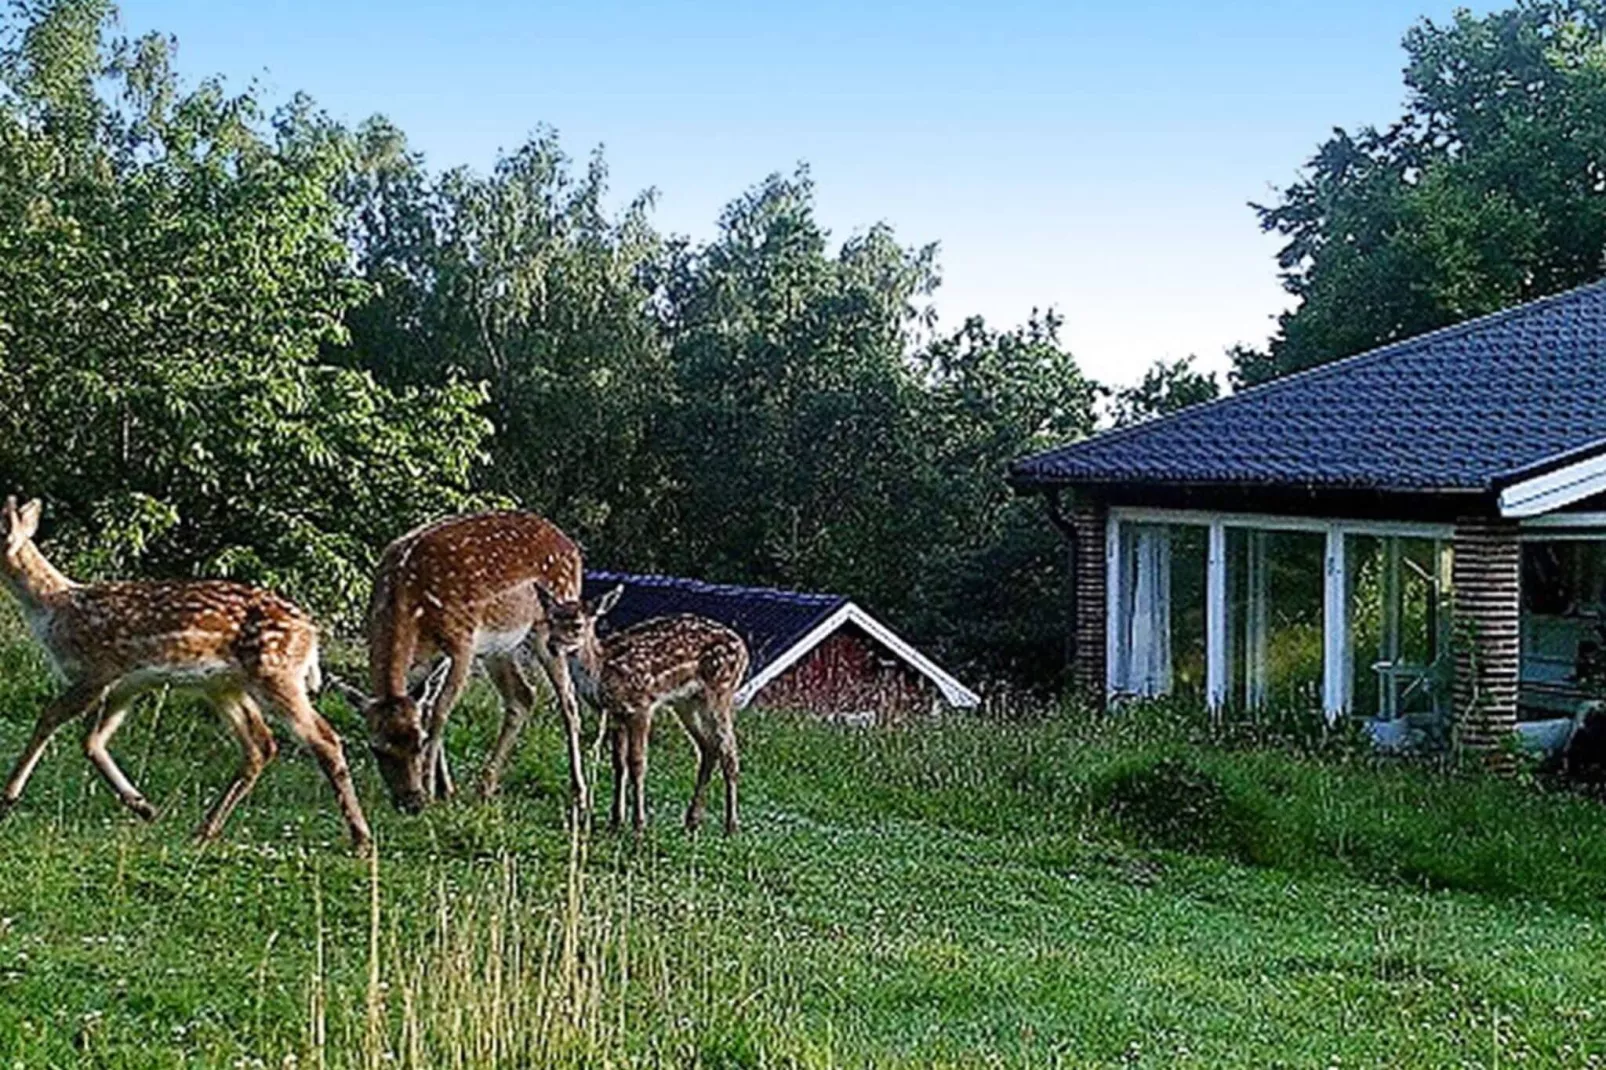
(171, 266)
(1174, 802)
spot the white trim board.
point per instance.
(1112, 603)
(1217, 663)
(1273, 522)
(953, 692)
(1554, 490)
(1335, 628)
(1584, 522)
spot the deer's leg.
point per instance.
(97, 740)
(557, 671)
(691, 718)
(439, 778)
(618, 747)
(308, 726)
(462, 661)
(517, 700)
(729, 761)
(72, 703)
(445, 787)
(639, 728)
(257, 749)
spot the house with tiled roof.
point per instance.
(1415, 535)
(817, 652)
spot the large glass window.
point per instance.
(1160, 613)
(1563, 625)
(1398, 625)
(1275, 587)
(1266, 603)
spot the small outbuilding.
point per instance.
(815, 652)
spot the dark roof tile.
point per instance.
(1455, 409)
(771, 622)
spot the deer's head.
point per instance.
(20, 524)
(572, 627)
(397, 738)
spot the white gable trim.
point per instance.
(953, 692)
(1553, 490)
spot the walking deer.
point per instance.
(462, 588)
(241, 647)
(687, 663)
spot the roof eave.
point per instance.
(1036, 482)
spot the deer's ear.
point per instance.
(28, 518)
(11, 510)
(357, 700)
(607, 601)
(545, 598)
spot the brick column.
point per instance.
(1087, 521)
(1486, 584)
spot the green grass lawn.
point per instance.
(1036, 894)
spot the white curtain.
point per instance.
(1146, 664)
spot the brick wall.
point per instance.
(1486, 581)
(1088, 612)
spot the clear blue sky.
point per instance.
(1092, 157)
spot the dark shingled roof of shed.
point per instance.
(771, 622)
(1465, 408)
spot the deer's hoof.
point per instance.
(6, 806)
(142, 809)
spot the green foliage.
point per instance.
(170, 264)
(790, 418)
(1486, 193)
(1174, 803)
(1165, 388)
(761, 408)
(519, 280)
(258, 344)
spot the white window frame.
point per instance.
(1554, 527)
(1335, 587)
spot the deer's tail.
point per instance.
(314, 677)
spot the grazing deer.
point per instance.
(242, 647)
(687, 663)
(462, 588)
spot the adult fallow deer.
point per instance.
(464, 587)
(689, 664)
(241, 647)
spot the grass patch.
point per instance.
(1034, 893)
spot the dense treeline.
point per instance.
(257, 343)
(1490, 190)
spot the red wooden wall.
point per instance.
(851, 675)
